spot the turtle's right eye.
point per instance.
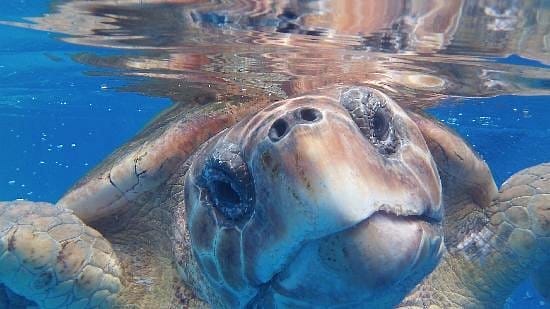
(373, 117)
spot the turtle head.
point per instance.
(316, 200)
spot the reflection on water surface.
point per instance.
(418, 51)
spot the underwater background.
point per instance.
(60, 114)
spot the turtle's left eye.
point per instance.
(380, 125)
(373, 117)
(228, 184)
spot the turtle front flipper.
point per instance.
(52, 259)
(521, 219)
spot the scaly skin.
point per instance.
(51, 258)
(483, 270)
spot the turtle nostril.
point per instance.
(278, 130)
(310, 114)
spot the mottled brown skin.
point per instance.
(144, 219)
(51, 258)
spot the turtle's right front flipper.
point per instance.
(51, 258)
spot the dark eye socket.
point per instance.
(373, 118)
(225, 193)
(226, 197)
(228, 184)
(380, 125)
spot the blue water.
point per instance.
(59, 118)
(56, 120)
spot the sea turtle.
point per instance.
(330, 199)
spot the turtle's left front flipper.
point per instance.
(521, 216)
(52, 259)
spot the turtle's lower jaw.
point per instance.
(373, 260)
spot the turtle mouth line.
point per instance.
(406, 217)
(429, 224)
(396, 211)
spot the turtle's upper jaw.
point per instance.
(327, 199)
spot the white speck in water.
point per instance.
(109, 109)
(484, 120)
(59, 146)
(49, 149)
(103, 87)
(29, 193)
(515, 109)
(73, 145)
(11, 182)
(85, 163)
(23, 185)
(452, 120)
(42, 162)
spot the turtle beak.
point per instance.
(316, 175)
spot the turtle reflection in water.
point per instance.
(336, 198)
